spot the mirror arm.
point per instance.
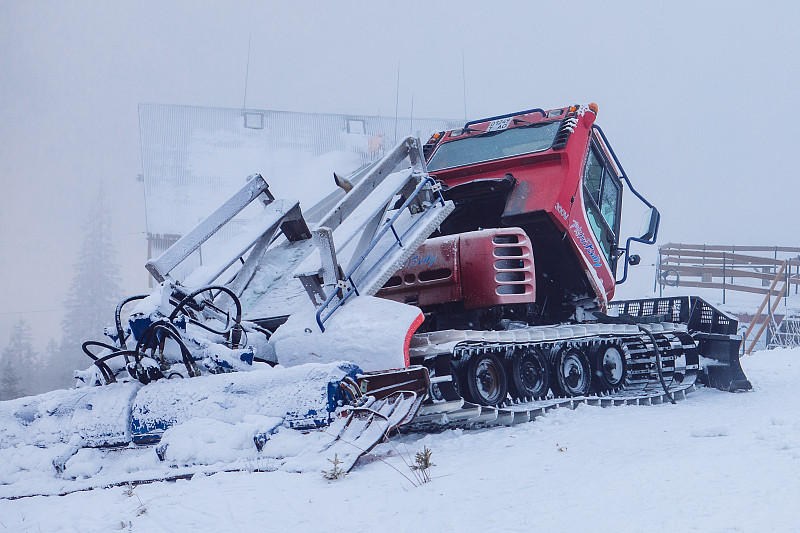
(599, 131)
(655, 222)
(652, 239)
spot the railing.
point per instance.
(786, 334)
(778, 293)
(727, 267)
(347, 287)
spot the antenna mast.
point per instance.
(396, 102)
(464, 81)
(247, 72)
(411, 128)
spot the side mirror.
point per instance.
(649, 224)
(634, 260)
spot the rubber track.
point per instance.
(642, 386)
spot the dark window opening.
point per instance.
(511, 289)
(355, 125)
(505, 239)
(254, 121)
(510, 251)
(514, 275)
(432, 275)
(508, 264)
(394, 281)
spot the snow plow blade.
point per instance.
(722, 367)
(303, 397)
(123, 413)
(290, 419)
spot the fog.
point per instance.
(700, 101)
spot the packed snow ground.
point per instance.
(714, 462)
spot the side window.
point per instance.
(602, 192)
(609, 206)
(593, 178)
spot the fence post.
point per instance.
(769, 316)
(723, 278)
(658, 275)
(788, 287)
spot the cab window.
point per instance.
(602, 196)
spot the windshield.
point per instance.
(494, 145)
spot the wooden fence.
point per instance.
(738, 268)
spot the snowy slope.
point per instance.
(714, 462)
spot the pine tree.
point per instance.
(10, 380)
(18, 363)
(46, 376)
(93, 295)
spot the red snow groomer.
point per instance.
(516, 284)
(467, 281)
(484, 262)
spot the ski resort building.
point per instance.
(194, 157)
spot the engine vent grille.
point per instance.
(513, 261)
(564, 131)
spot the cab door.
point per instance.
(602, 191)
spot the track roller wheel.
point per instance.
(482, 379)
(528, 377)
(572, 374)
(610, 366)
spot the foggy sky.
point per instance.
(699, 99)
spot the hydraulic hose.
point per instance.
(100, 363)
(118, 322)
(150, 340)
(235, 331)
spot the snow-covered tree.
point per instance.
(47, 377)
(10, 379)
(93, 295)
(19, 363)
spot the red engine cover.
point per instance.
(481, 268)
(430, 276)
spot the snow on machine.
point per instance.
(465, 282)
